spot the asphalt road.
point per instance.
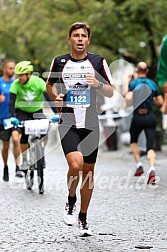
(125, 213)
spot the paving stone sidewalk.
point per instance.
(125, 213)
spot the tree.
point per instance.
(37, 30)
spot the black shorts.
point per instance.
(6, 134)
(84, 140)
(148, 124)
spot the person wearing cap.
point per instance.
(142, 94)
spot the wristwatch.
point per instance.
(100, 85)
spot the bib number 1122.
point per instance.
(78, 99)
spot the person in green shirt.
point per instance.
(162, 71)
(27, 90)
(26, 98)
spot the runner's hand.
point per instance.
(2, 97)
(59, 100)
(91, 80)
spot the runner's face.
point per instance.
(79, 41)
(8, 70)
(23, 78)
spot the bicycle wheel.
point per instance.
(29, 173)
(40, 164)
(29, 178)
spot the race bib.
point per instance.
(74, 78)
(78, 97)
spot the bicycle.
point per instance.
(37, 131)
(35, 154)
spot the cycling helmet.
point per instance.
(24, 67)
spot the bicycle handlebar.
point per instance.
(14, 122)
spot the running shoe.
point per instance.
(25, 166)
(69, 215)
(151, 178)
(18, 172)
(5, 173)
(84, 229)
(139, 171)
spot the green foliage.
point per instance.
(37, 30)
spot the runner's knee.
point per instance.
(151, 154)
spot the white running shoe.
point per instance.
(84, 229)
(69, 215)
(24, 166)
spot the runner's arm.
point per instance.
(106, 89)
(105, 86)
(12, 104)
(128, 98)
(158, 100)
(51, 102)
(51, 90)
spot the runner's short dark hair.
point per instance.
(5, 62)
(79, 25)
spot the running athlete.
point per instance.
(5, 134)
(26, 100)
(143, 118)
(73, 82)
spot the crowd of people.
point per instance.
(74, 81)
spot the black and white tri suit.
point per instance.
(79, 112)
